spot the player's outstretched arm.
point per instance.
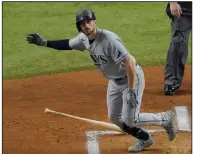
(35, 38)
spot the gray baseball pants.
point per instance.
(120, 112)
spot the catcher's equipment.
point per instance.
(84, 15)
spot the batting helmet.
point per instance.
(81, 15)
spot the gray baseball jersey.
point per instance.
(107, 52)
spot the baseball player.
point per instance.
(126, 81)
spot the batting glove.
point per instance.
(35, 38)
(131, 98)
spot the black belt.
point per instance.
(119, 79)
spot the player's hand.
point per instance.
(175, 9)
(131, 98)
(35, 38)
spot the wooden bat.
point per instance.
(93, 122)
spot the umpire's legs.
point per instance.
(178, 51)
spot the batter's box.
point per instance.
(122, 143)
(93, 138)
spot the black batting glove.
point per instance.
(131, 98)
(35, 38)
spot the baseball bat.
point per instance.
(90, 121)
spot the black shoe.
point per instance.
(170, 89)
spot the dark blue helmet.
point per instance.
(81, 15)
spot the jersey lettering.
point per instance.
(98, 59)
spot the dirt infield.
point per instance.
(27, 130)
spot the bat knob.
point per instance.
(46, 110)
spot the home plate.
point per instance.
(182, 118)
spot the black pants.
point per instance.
(178, 50)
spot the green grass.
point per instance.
(143, 27)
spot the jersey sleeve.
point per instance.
(76, 43)
(118, 51)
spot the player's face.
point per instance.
(88, 26)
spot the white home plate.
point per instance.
(182, 118)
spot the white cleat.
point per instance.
(141, 144)
(169, 125)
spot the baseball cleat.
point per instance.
(141, 144)
(170, 90)
(169, 125)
